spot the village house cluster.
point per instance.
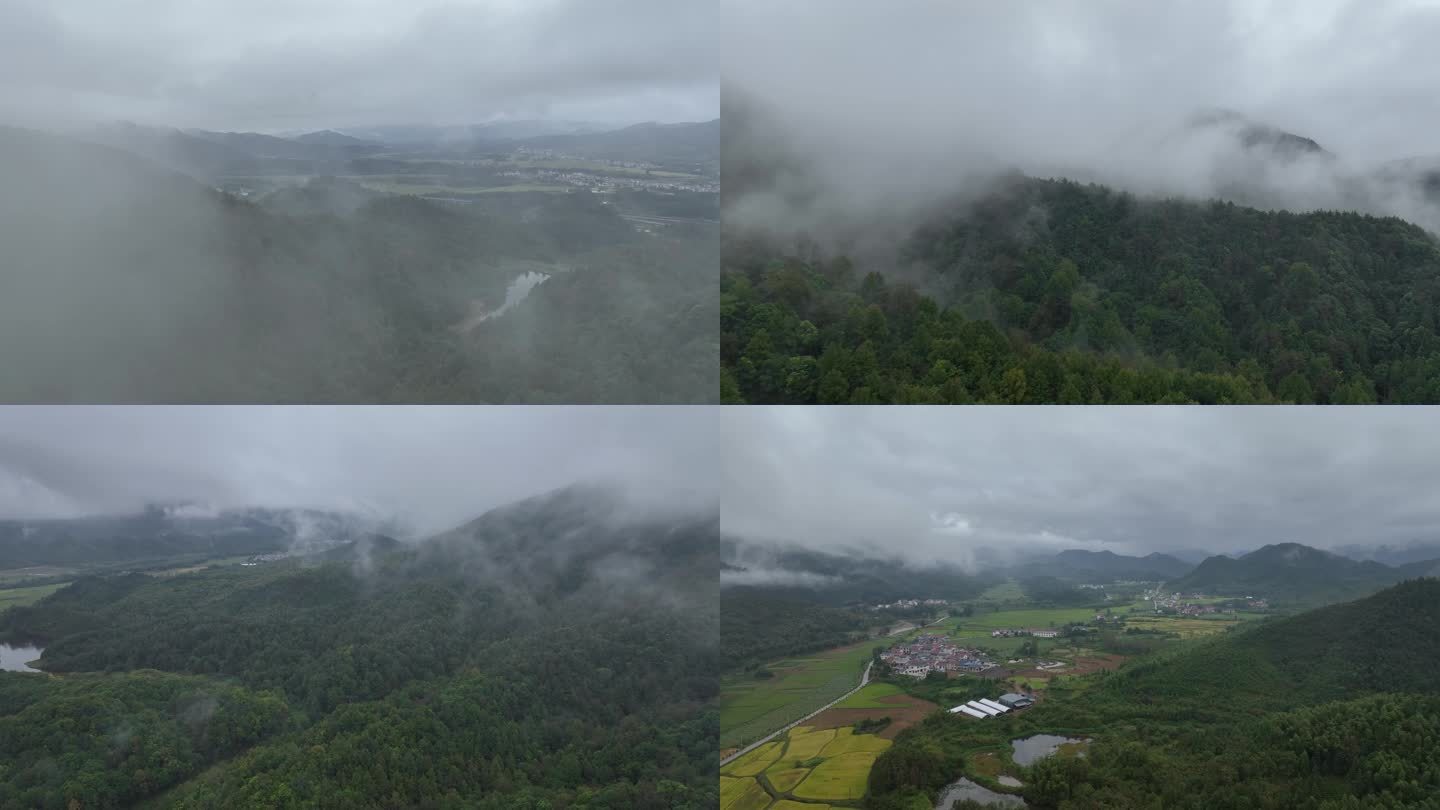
(608, 184)
(256, 559)
(933, 653)
(1023, 631)
(1184, 604)
(906, 604)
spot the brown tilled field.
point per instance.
(907, 712)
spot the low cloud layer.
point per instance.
(428, 468)
(305, 64)
(943, 483)
(895, 104)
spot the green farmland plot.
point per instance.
(869, 697)
(752, 707)
(11, 597)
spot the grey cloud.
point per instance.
(899, 103)
(223, 64)
(428, 468)
(942, 483)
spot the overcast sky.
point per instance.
(1357, 75)
(919, 87)
(429, 467)
(302, 64)
(935, 483)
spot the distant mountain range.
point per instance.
(583, 538)
(693, 142)
(1292, 572)
(1392, 555)
(1077, 565)
(1257, 136)
(207, 155)
(840, 578)
(161, 532)
(433, 136)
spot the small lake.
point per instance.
(1029, 749)
(15, 659)
(965, 789)
(1008, 781)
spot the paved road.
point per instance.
(864, 679)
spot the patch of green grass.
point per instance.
(869, 697)
(980, 624)
(1006, 592)
(986, 764)
(11, 597)
(750, 708)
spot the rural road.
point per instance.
(864, 679)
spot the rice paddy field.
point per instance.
(804, 769)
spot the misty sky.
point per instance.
(304, 64)
(919, 92)
(935, 483)
(431, 468)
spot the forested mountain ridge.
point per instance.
(1291, 572)
(1053, 291)
(160, 532)
(417, 675)
(126, 282)
(1082, 565)
(1379, 643)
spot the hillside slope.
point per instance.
(557, 652)
(1294, 573)
(1384, 642)
(1051, 291)
(1081, 565)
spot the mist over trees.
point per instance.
(1050, 291)
(127, 282)
(560, 651)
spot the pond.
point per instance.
(1029, 749)
(965, 789)
(1008, 781)
(16, 659)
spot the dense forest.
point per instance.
(458, 672)
(760, 624)
(1337, 706)
(1052, 291)
(127, 282)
